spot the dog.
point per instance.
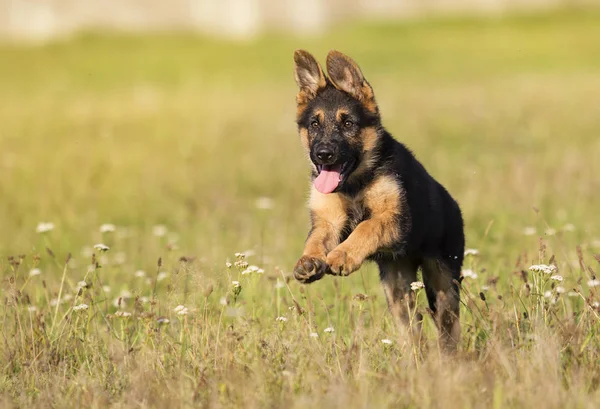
(371, 199)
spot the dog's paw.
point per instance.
(309, 269)
(342, 263)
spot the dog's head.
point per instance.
(337, 118)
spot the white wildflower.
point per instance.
(548, 294)
(32, 308)
(179, 308)
(241, 264)
(593, 283)
(281, 319)
(529, 231)
(253, 269)
(162, 275)
(556, 277)
(313, 335)
(184, 311)
(44, 227)
(468, 273)
(81, 284)
(159, 230)
(279, 284)
(223, 301)
(550, 231)
(163, 320)
(573, 294)
(228, 264)
(140, 274)
(80, 307)
(107, 228)
(471, 252)
(596, 304)
(560, 290)
(264, 203)
(145, 299)
(106, 288)
(101, 247)
(386, 341)
(123, 314)
(416, 285)
(35, 272)
(543, 268)
(235, 284)
(329, 330)
(485, 287)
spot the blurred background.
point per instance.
(181, 114)
(242, 19)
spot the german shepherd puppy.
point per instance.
(372, 200)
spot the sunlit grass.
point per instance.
(135, 168)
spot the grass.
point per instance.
(190, 133)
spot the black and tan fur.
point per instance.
(387, 208)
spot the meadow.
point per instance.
(133, 168)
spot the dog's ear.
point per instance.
(309, 76)
(346, 76)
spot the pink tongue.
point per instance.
(328, 179)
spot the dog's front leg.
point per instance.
(368, 237)
(328, 218)
(312, 265)
(381, 230)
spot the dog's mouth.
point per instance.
(330, 177)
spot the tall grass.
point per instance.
(176, 152)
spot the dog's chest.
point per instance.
(356, 212)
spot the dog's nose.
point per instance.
(325, 154)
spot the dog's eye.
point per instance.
(314, 124)
(348, 124)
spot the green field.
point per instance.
(198, 135)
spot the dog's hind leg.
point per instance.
(396, 276)
(441, 281)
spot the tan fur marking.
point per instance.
(340, 112)
(320, 114)
(329, 218)
(304, 139)
(368, 98)
(368, 138)
(300, 108)
(384, 200)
